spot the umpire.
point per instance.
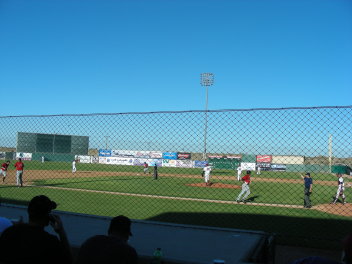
(308, 185)
(155, 174)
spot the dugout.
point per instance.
(52, 143)
(224, 163)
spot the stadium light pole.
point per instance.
(206, 79)
(106, 141)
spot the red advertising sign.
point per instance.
(183, 156)
(264, 158)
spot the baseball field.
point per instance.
(180, 196)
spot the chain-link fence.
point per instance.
(153, 166)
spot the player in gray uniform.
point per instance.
(340, 189)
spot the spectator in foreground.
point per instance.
(30, 243)
(4, 223)
(112, 248)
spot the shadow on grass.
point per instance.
(45, 183)
(252, 199)
(292, 231)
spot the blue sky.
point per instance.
(97, 56)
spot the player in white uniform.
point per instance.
(239, 172)
(258, 169)
(74, 166)
(207, 170)
(340, 189)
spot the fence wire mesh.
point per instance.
(152, 166)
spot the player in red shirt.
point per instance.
(19, 172)
(245, 188)
(146, 168)
(3, 171)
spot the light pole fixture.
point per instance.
(106, 142)
(206, 79)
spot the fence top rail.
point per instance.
(187, 111)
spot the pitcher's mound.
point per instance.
(215, 185)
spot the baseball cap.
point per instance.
(41, 205)
(308, 174)
(121, 223)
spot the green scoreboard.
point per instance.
(52, 143)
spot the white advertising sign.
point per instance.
(116, 160)
(248, 166)
(184, 163)
(169, 163)
(84, 159)
(24, 156)
(123, 153)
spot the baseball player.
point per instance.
(74, 166)
(19, 172)
(145, 168)
(239, 172)
(3, 171)
(207, 170)
(258, 169)
(245, 188)
(340, 189)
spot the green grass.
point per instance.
(293, 225)
(55, 166)
(263, 192)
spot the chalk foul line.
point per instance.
(169, 197)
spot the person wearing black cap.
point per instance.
(30, 243)
(113, 248)
(308, 185)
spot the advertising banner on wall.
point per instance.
(215, 156)
(123, 153)
(264, 158)
(183, 156)
(248, 166)
(140, 161)
(104, 152)
(83, 159)
(278, 167)
(184, 163)
(95, 159)
(264, 165)
(2, 155)
(24, 156)
(116, 160)
(170, 155)
(156, 154)
(169, 163)
(158, 162)
(233, 157)
(200, 163)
